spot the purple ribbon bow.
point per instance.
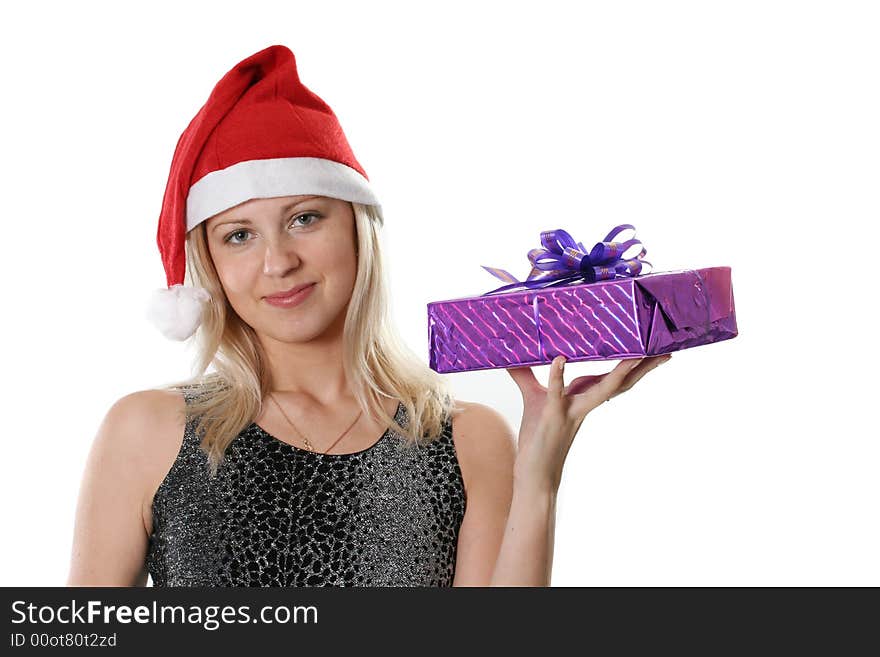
(563, 261)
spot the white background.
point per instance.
(741, 134)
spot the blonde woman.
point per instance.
(318, 451)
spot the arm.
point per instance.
(486, 450)
(526, 556)
(109, 539)
(506, 537)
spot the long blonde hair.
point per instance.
(377, 362)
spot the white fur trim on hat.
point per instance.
(270, 178)
(177, 311)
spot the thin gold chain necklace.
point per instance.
(305, 439)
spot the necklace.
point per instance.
(305, 439)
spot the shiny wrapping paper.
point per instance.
(634, 316)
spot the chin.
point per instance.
(299, 331)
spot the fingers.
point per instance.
(525, 379)
(649, 364)
(612, 381)
(602, 387)
(633, 374)
(522, 374)
(581, 383)
(556, 384)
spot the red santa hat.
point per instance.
(261, 134)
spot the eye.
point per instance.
(229, 238)
(307, 214)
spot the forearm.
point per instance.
(526, 555)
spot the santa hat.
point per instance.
(261, 134)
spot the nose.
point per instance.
(280, 257)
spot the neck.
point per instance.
(310, 370)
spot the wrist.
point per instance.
(535, 477)
(534, 486)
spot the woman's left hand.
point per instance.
(553, 415)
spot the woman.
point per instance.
(267, 471)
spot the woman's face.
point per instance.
(265, 246)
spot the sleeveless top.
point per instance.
(278, 515)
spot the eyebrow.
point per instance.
(287, 208)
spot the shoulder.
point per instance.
(144, 429)
(473, 416)
(148, 427)
(110, 532)
(134, 418)
(484, 441)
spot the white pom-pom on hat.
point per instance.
(177, 311)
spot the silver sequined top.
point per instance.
(277, 515)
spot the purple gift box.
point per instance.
(629, 316)
(642, 316)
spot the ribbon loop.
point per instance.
(563, 261)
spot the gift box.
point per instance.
(584, 305)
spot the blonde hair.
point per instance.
(377, 362)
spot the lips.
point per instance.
(290, 292)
